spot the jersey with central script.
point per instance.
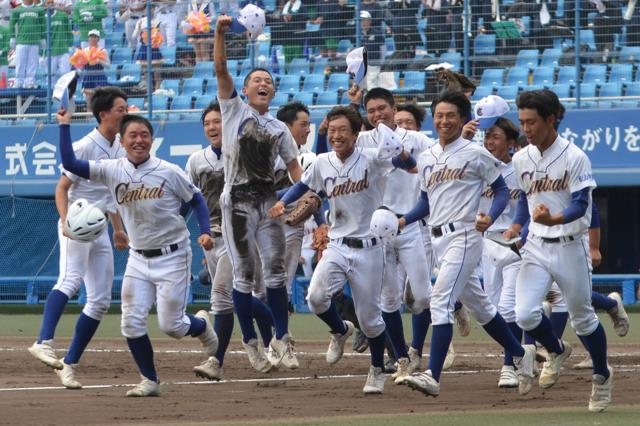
(206, 171)
(401, 189)
(506, 218)
(148, 198)
(550, 178)
(94, 147)
(352, 188)
(454, 178)
(251, 143)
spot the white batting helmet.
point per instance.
(306, 159)
(384, 224)
(390, 144)
(86, 221)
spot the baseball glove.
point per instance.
(321, 238)
(307, 205)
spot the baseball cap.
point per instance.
(489, 109)
(94, 32)
(364, 14)
(250, 19)
(65, 89)
(389, 144)
(357, 63)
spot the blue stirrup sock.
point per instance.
(596, 344)
(264, 320)
(440, 340)
(393, 324)
(600, 301)
(420, 325)
(559, 322)
(142, 352)
(497, 328)
(278, 301)
(517, 333)
(197, 326)
(544, 334)
(242, 302)
(85, 329)
(53, 308)
(223, 326)
(376, 345)
(332, 318)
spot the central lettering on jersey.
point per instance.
(446, 174)
(514, 194)
(125, 195)
(346, 188)
(545, 183)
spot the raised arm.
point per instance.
(69, 160)
(225, 82)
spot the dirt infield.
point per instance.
(30, 393)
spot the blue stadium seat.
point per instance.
(551, 57)
(172, 84)
(414, 82)
(304, 97)
(112, 75)
(313, 83)
(507, 92)
(169, 55)
(319, 65)
(527, 58)
(130, 75)
(212, 87)
(587, 90)
(337, 82)
(181, 102)
(238, 83)
(192, 86)
(264, 48)
(610, 90)
(484, 44)
(588, 38)
(621, 73)
(232, 66)
(633, 89)
(629, 54)
(562, 90)
(159, 101)
(204, 70)
(270, 5)
(492, 77)
(121, 55)
(203, 101)
(543, 75)
(182, 41)
(595, 73)
(481, 92)
(344, 46)
(327, 98)
(113, 40)
(245, 67)
(318, 114)
(299, 66)
(289, 83)
(137, 102)
(567, 75)
(389, 45)
(518, 76)
(454, 58)
(280, 98)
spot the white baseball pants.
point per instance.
(293, 236)
(500, 266)
(26, 64)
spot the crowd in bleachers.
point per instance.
(513, 45)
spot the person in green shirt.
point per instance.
(5, 35)
(61, 39)
(88, 15)
(27, 28)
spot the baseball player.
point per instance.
(91, 262)
(205, 170)
(555, 177)
(251, 141)
(88, 15)
(148, 192)
(350, 176)
(400, 191)
(453, 174)
(27, 27)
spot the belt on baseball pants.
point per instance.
(557, 239)
(158, 252)
(439, 231)
(356, 242)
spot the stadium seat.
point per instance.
(454, 58)
(481, 92)
(320, 65)
(280, 98)
(561, 90)
(543, 75)
(318, 114)
(632, 89)
(192, 86)
(264, 48)
(181, 102)
(621, 73)
(112, 75)
(137, 102)
(595, 73)
(610, 90)
(130, 75)
(304, 97)
(527, 58)
(212, 87)
(327, 98)
(299, 66)
(238, 83)
(172, 84)
(159, 101)
(313, 83)
(289, 83)
(551, 57)
(270, 5)
(587, 90)
(389, 45)
(121, 56)
(232, 66)
(344, 46)
(588, 38)
(245, 67)
(518, 76)
(204, 70)
(203, 101)
(629, 54)
(484, 44)
(567, 75)
(182, 42)
(414, 82)
(492, 77)
(337, 82)
(507, 92)
(113, 40)
(169, 55)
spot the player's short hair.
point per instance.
(379, 93)
(213, 106)
(350, 114)
(255, 70)
(560, 116)
(417, 111)
(522, 141)
(509, 129)
(103, 99)
(456, 98)
(132, 118)
(289, 112)
(545, 102)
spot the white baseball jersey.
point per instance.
(502, 222)
(352, 188)
(206, 171)
(454, 178)
(550, 179)
(401, 189)
(94, 147)
(148, 199)
(251, 143)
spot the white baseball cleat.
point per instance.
(210, 369)
(208, 337)
(375, 381)
(145, 388)
(423, 382)
(449, 359)
(619, 315)
(281, 352)
(257, 357)
(45, 353)
(546, 309)
(551, 368)
(601, 392)
(508, 377)
(415, 359)
(404, 370)
(336, 345)
(585, 364)
(461, 317)
(524, 367)
(67, 376)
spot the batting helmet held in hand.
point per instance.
(384, 224)
(85, 221)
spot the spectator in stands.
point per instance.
(5, 13)
(27, 35)
(61, 38)
(129, 13)
(93, 75)
(377, 13)
(5, 36)
(88, 15)
(606, 23)
(438, 39)
(166, 14)
(632, 22)
(332, 15)
(202, 42)
(404, 23)
(371, 38)
(293, 18)
(142, 35)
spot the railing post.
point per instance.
(629, 292)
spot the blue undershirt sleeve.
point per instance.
(578, 206)
(522, 210)
(407, 164)
(595, 216)
(321, 144)
(69, 160)
(420, 210)
(500, 198)
(199, 206)
(295, 192)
